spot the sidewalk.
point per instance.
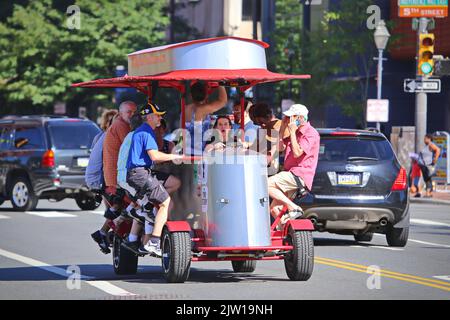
(440, 196)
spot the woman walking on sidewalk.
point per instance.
(428, 158)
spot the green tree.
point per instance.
(338, 54)
(40, 57)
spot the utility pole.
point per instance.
(421, 97)
(172, 20)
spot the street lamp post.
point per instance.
(381, 37)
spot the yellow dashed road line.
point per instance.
(442, 285)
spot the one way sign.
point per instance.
(427, 86)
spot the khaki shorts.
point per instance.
(286, 182)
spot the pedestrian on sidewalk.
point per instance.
(428, 158)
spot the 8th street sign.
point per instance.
(427, 86)
(423, 8)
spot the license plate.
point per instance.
(349, 179)
(82, 162)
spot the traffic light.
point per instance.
(426, 52)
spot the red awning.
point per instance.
(175, 79)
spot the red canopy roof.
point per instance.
(175, 79)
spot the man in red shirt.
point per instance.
(113, 140)
(300, 162)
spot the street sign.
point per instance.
(427, 86)
(422, 8)
(442, 140)
(377, 110)
(59, 108)
(442, 67)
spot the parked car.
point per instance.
(45, 157)
(359, 188)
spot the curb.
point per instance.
(429, 201)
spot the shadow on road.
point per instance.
(209, 276)
(323, 242)
(96, 271)
(145, 274)
(11, 210)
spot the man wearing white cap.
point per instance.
(300, 162)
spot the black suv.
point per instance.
(45, 157)
(359, 187)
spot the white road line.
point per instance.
(97, 212)
(38, 264)
(4, 217)
(102, 285)
(386, 248)
(377, 247)
(50, 214)
(419, 241)
(446, 278)
(429, 222)
(110, 288)
(430, 243)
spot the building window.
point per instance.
(247, 10)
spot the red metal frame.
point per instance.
(178, 226)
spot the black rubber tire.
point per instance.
(299, 263)
(176, 259)
(364, 237)
(31, 198)
(397, 237)
(244, 266)
(86, 202)
(124, 261)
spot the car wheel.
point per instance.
(397, 237)
(22, 195)
(364, 237)
(86, 202)
(247, 266)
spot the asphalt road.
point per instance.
(37, 248)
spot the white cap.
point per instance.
(296, 110)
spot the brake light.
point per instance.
(400, 181)
(48, 159)
(344, 133)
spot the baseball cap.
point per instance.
(296, 110)
(151, 108)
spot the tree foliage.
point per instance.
(40, 57)
(338, 55)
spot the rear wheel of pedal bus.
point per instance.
(124, 261)
(247, 266)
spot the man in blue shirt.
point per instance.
(143, 152)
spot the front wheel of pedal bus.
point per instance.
(299, 262)
(176, 255)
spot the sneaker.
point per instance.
(294, 214)
(131, 245)
(111, 215)
(133, 214)
(142, 250)
(102, 241)
(153, 248)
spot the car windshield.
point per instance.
(72, 135)
(354, 149)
